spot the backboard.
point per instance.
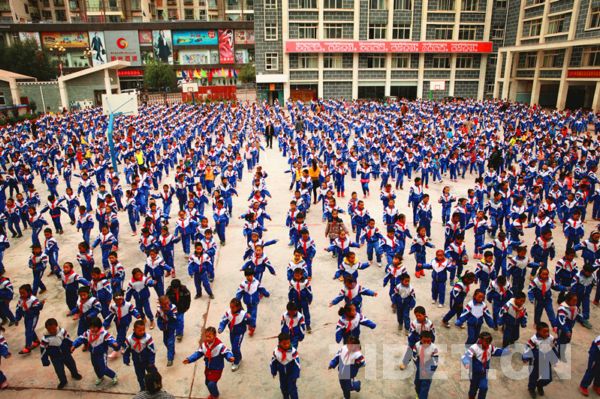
(189, 87)
(124, 103)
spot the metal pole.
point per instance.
(43, 101)
(111, 142)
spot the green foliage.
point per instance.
(27, 59)
(159, 75)
(247, 74)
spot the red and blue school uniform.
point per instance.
(348, 363)
(286, 364)
(121, 316)
(167, 323)
(140, 291)
(97, 344)
(214, 355)
(29, 310)
(478, 359)
(56, 350)
(474, 314)
(346, 327)
(512, 318)
(141, 351)
(237, 323)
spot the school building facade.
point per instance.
(424, 49)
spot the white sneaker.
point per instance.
(440, 306)
(235, 367)
(115, 380)
(99, 381)
(379, 264)
(433, 302)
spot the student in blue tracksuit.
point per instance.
(592, 372)
(542, 250)
(97, 341)
(199, 264)
(341, 246)
(292, 323)
(542, 354)
(474, 314)
(372, 237)
(540, 295)
(54, 209)
(6, 295)
(566, 269)
(414, 199)
(37, 263)
(55, 348)
(498, 293)
(513, 317)
(28, 309)
(71, 282)
(156, 268)
(138, 288)
(166, 316)
(221, 218)
(477, 359)
(457, 297)
(107, 242)
(502, 248)
(286, 363)
(573, 229)
(139, 348)
(348, 360)
(238, 321)
(86, 309)
(353, 293)
(404, 300)
(582, 284)
(516, 268)
(121, 313)
(440, 268)
(250, 292)
(300, 292)
(214, 353)
(85, 258)
(425, 356)
(349, 323)
(51, 250)
(485, 271)
(85, 223)
(102, 290)
(36, 221)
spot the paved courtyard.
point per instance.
(383, 347)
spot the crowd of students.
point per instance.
(530, 169)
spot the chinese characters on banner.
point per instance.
(354, 46)
(226, 55)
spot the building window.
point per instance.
(377, 4)
(444, 5)
(594, 18)
(492, 59)
(307, 4)
(402, 4)
(489, 88)
(307, 31)
(501, 4)
(376, 61)
(270, 4)
(464, 61)
(470, 5)
(467, 32)
(443, 33)
(308, 61)
(333, 61)
(2, 99)
(556, 24)
(552, 59)
(441, 62)
(532, 28)
(271, 61)
(530, 60)
(333, 31)
(497, 33)
(401, 61)
(270, 32)
(591, 56)
(534, 2)
(61, 15)
(189, 13)
(377, 31)
(401, 31)
(332, 4)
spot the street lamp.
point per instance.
(58, 51)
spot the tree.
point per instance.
(26, 58)
(159, 75)
(247, 74)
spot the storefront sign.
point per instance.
(243, 36)
(354, 46)
(583, 73)
(195, 38)
(65, 39)
(123, 45)
(226, 55)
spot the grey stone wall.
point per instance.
(260, 17)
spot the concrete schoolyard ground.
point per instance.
(383, 347)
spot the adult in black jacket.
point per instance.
(180, 296)
(269, 132)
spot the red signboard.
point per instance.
(583, 73)
(226, 54)
(353, 46)
(130, 72)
